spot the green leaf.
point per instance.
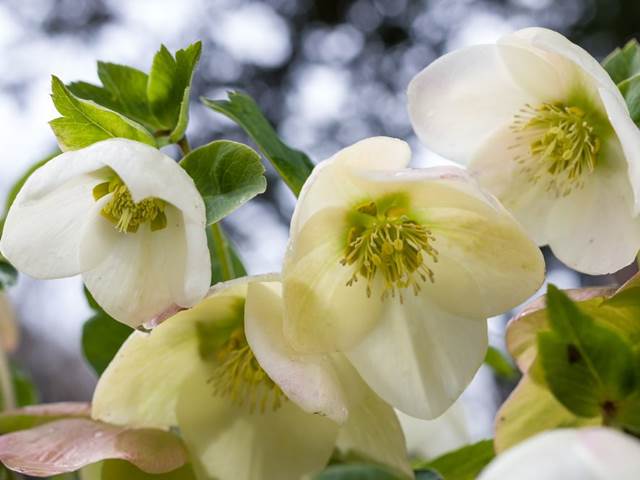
(123, 90)
(293, 166)
(84, 122)
(102, 337)
(24, 389)
(355, 471)
(121, 470)
(225, 261)
(464, 463)
(499, 364)
(588, 367)
(623, 63)
(630, 89)
(227, 175)
(169, 87)
(8, 274)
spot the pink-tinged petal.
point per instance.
(34, 415)
(68, 445)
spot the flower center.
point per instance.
(239, 376)
(563, 146)
(124, 213)
(388, 242)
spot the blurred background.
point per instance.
(326, 72)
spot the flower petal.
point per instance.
(228, 442)
(593, 453)
(495, 168)
(562, 49)
(629, 137)
(373, 430)
(593, 230)
(309, 380)
(44, 225)
(530, 409)
(323, 314)
(68, 445)
(148, 172)
(421, 357)
(134, 277)
(141, 385)
(330, 185)
(487, 260)
(465, 85)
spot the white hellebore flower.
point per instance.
(122, 214)
(544, 128)
(399, 268)
(569, 454)
(246, 404)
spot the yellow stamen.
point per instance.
(124, 213)
(393, 245)
(239, 376)
(562, 146)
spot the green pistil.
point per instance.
(390, 244)
(124, 213)
(562, 145)
(239, 377)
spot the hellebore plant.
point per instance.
(223, 374)
(388, 279)
(399, 268)
(112, 212)
(543, 127)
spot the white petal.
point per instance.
(148, 172)
(323, 314)
(372, 431)
(593, 230)
(44, 225)
(421, 358)
(141, 385)
(453, 103)
(629, 136)
(330, 185)
(558, 48)
(495, 168)
(227, 442)
(310, 381)
(428, 439)
(135, 276)
(569, 454)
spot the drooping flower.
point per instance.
(122, 214)
(399, 268)
(569, 454)
(545, 129)
(247, 406)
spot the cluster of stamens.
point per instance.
(562, 146)
(393, 245)
(239, 377)
(125, 214)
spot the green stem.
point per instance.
(184, 145)
(222, 252)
